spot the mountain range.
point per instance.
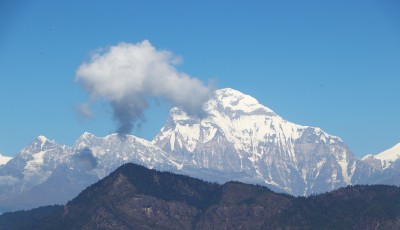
(236, 138)
(134, 197)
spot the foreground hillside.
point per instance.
(136, 197)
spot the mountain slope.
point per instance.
(45, 172)
(31, 167)
(387, 165)
(135, 197)
(385, 159)
(238, 135)
(236, 139)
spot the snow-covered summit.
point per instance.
(238, 134)
(42, 138)
(61, 172)
(4, 159)
(234, 100)
(39, 145)
(240, 118)
(114, 150)
(385, 159)
(88, 140)
(390, 155)
(86, 135)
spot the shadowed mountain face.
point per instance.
(133, 197)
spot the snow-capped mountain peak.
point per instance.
(390, 155)
(4, 159)
(234, 100)
(47, 167)
(39, 145)
(237, 138)
(87, 135)
(84, 140)
(238, 117)
(385, 159)
(238, 134)
(42, 140)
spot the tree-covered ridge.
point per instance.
(134, 197)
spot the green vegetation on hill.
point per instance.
(133, 197)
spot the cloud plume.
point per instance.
(85, 159)
(129, 75)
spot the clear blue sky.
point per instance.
(331, 64)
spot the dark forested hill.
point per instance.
(134, 197)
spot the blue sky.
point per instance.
(331, 64)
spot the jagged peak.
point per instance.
(128, 137)
(89, 136)
(42, 140)
(227, 99)
(38, 145)
(84, 139)
(86, 135)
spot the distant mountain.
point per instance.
(387, 163)
(45, 172)
(236, 138)
(4, 159)
(31, 167)
(134, 197)
(250, 143)
(384, 160)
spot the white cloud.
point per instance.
(127, 75)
